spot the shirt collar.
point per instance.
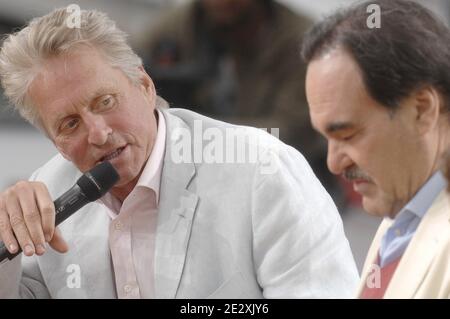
(151, 175)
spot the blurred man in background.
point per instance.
(381, 97)
(238, 61)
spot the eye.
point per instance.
(106, 103)
(352, 135)
(343, 136)
(348, 137)
(69, 125)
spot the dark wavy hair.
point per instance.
(411, 49)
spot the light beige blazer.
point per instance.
(424, 270)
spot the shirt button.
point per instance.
(118, 226)
(398, 232)
(127, 289)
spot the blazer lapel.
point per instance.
(373, 254)
(90, 245)
(88, 258)
(176, 211)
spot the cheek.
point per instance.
(135, 119)
(74, 151)
(386, 175)
(138, 123)
(374, 155)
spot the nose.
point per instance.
(98, 129)
(337, 159)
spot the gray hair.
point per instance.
(23, 52)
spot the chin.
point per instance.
(126, 176)
(374, 207)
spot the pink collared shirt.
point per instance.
(133, 226)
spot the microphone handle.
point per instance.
(69, 203)
(5, 254)
(65, 206)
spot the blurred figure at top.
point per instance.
(238, 61)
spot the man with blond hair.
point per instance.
(176, 225)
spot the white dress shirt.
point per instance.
(133, 227)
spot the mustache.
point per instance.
(356, 173)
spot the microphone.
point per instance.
(91, 186)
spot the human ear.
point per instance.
(146, 81)
(427, 105)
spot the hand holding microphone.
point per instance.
(28, 216)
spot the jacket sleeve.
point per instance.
(300, 249)
(21, 278)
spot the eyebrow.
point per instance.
(338, 126)
(100, 92)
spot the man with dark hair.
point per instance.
(381, 98)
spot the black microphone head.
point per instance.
(98, 181)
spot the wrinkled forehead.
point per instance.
(70, 80)
(77, 72)
(79, 64)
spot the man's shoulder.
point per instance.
(210, 128)
(190, 118)
(438, 215)
(212, 137)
